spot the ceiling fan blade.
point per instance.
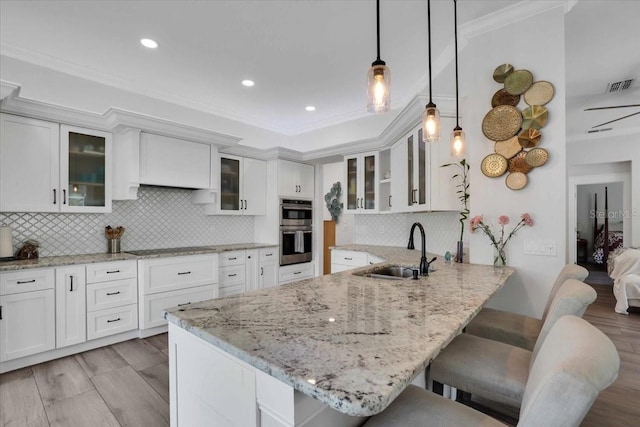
(611, 121)
(615, 106)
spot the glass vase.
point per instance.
(499, 258)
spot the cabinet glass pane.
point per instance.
(229, 184)
(352, 183)
(410, 192)
(370, 182)
(86, 170)
(422, 173)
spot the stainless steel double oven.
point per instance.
(296, 234)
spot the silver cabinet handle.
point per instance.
(113, 293)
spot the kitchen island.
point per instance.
(332, 349)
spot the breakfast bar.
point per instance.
(334, 349)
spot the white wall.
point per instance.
(545, 195)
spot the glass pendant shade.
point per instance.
(458, 142)
(430, 123)
(378, 88)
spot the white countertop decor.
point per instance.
(352, 342)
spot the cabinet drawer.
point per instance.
(171, 274)
(13, 282)
(228, 291)
(296, 272)
(231, 258)
(269, 254)
(155, 304)
(111, 294)
(232, 275)
(112, 321)
(107, 271)
(356, 259)
(372, 259)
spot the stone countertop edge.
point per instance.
(59, 261)
(340, 400)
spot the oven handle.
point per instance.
(297, 207)
(293, 232)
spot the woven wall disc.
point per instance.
(501, 97)
(518, 82)
(537, 157)
(518, 163)
(508, 148)
(501, 123)
(516, 180)
(529, 138)
(539, 93)
(494, 165)
(534, 117)
(501, 72)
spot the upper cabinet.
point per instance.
(295, 179)
(362, 175)
(242, 186)
(173, 162)
(46, 167)
(419, 182)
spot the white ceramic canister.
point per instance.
(6, 242)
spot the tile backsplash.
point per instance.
(160, 218)
(442, 230)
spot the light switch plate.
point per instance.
(540, 247)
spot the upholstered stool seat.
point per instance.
(499, 371)
(516, 329)
(574, 363)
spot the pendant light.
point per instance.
(431, 115)
(378, 79)
(458, 142)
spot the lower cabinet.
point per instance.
(27, 319)
(172, 281)
(111, 321)
(71, 306)
(269, 267)
(248, 270)
(295, 272)
(342, 260)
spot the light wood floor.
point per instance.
(127, 384)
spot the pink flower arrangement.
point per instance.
(477, 222)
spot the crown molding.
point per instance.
(7, 89)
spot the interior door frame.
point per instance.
(574, 181)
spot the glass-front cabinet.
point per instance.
(362, 174)
(409, 163)
(84, 170)
(230, 184)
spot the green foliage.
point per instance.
(463, 190)
(332, 200)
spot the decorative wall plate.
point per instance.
(501, 72)
(529, 138)
(494, 165)
(501, 123)
(516, 180)
(508, 148)
(501, 97)
(518, 163)
(518, 82)
(534, 117)
(537, 157)
(539, 93)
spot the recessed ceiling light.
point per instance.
(248, 83)
(310, 108)
(151, 44)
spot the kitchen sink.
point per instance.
(390, 272)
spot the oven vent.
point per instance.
(598, 130)
(619, 86)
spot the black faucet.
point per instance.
(424, 265)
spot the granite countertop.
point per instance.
(58, 261)
(352, 342)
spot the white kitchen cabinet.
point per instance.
(71, 306)
(46, 167)
(295, 272)
(111, 321)
(268, 268)
(168, 282)
(410, 183)
(295, 179)
(27, 313)
(174, 162)
(342, 260)
(252, 269)
(242, 186)
(361, 177)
